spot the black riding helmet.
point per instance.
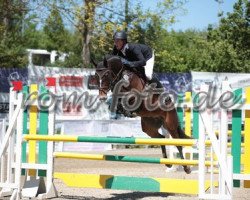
(122, 35)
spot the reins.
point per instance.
(117, 76)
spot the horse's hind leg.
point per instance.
(150, 126)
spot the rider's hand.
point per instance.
(126, 62)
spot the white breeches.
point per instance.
(149, 67)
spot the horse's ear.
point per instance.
(105, 62)
(99, 65)
(93, 62)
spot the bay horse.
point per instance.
(111, 72)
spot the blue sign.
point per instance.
(12, 74)
(176, 83)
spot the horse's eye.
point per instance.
(95, 78)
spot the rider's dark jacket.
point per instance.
(137, 54)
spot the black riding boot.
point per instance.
(126, 113)
(155, 80)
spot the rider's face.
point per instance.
(119, 44)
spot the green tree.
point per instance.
(55, 33)
(33, 38)
(143, 26)
(12, 15)
(95, 22)
(74, 50)
(182, 52)
(230, 44)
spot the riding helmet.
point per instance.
(122, 35)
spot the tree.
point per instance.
(87, 26)
(32, 37)
(97, 20)
(182, 51)
(230, 41)
(12, 14)
(54, 31)
(83, 17)
(143, 26)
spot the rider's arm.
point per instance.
(140, 60)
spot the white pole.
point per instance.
(217, 149)
(230, 175)
(201, 158)
(10, 129)
(3, 158)
(50, 149)
(223, 138)
(3, 126)
(10, 159)
(202, 149)
(19, 147)
(50, 188)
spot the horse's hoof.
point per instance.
(169, 166)
(172, 169)
(187, 170)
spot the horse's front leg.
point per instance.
(186, 168)
(172, 125)
(164, 153)
(150, 126)
(163, 150)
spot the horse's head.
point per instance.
(103, 76)
(108, 72)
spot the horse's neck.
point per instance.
(136, 82)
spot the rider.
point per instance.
(137, 56)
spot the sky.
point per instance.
(199, 13)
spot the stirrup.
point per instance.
(129, 114)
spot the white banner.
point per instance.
(238, 80)
(72, 85)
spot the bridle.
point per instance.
(114, 80)
(117, 77)
(100, 75)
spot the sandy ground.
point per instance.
(122, 168)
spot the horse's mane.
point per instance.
(111, 62)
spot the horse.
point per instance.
(111, 73)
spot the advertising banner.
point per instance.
(176, 83)
(71, 87)
(239, 80)
(7, 75)
(214, 79)
(12, 74)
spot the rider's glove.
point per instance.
(126, 62)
